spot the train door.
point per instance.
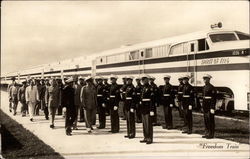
(93, 73)
(141, 61)
(191, 62)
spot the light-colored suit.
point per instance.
(32, 97)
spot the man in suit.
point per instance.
(21, 98)
(122, 93)
(68, 96)
(138, 90)
(13, 79)
(89, 103)
(156, 99)
(209, 101)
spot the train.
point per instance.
(222, 53)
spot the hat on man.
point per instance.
(88, 78)
(167, 76)
(138, 78)
(113, 76)
(145, 76)
(186, 76)
(69, 80)
(13, 78)
(130, 77)
(207, 76)
(81, 78)
(152, 77)
(98, 77)
(124, 77)
(105, 78)
(24, 82)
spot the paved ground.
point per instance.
(102, 144)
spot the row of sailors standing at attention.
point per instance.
(138, 102)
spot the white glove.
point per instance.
(152, 114)
(132, 110)
(140, 102)
(115, 107)
(156, 104)
(171, 105)
(64, 109)
(190, 107)
(103, 105)
(212, 111)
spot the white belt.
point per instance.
(128, 97)
(112, 96)
(145, 100)
(166, 95)
(186, 96)
(180, 92)
(207, 97)
(99, 95)
(138, 93)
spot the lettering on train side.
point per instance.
(214, 61)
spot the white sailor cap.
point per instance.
(152, 77)
(207, 76)
(145, 76)
(88, 78)
(130, 77)
(81, 78)
(186, 76)
(138, 78)
(105, 77)
(124, 77)
(98, 77)
(113, 76)
(71, 79)
(167, 76)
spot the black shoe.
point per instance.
(143, 141)
(31, 119)
(92, 128)
(149, 142)
(10, 110)
(204, 136)
(124, 119)
(210, 137)
(47, 118)
(81, 121)
(169, 127)
(68, 134)
(14, 114)
(131, 137)
(126, 136)
(189, 132)
(100, 127)
(23, 115)
(52, 126)
(184, 132)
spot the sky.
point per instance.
(35, 32)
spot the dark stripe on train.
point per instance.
(225, 67)
(229, 53)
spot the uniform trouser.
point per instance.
(31, 109)
(122, 105)
(90, 117)
(155, 114)
(138, 112)
(188, 115)
(24, 107)
(130, 123)
(180, 109)
(69, 117)
(115, 122)
(147, 127)
(168, 115)
(14, 104)
(37, 107)
(77, 112)
(209, 123)
(102, 115)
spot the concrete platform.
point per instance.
(102, 144)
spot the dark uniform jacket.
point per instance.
(138, 90)
(122, 91)
(167, 94)
(21, 94)
(188, 90)
(68, 97)
(156, 90)
(130, 96)
(114, 95)
(42, 92)
(179, 92)
(147, 96)
(209, 97)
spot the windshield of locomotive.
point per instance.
(222, 37)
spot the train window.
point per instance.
(101, 60)
(202, 45)
(133, 55)
(149, 53)
(142, 53)
(243, 36)
(222, 37)
(192, 47)
(176, 49)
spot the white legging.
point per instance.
(32, 109)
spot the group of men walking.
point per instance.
(86, 97)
